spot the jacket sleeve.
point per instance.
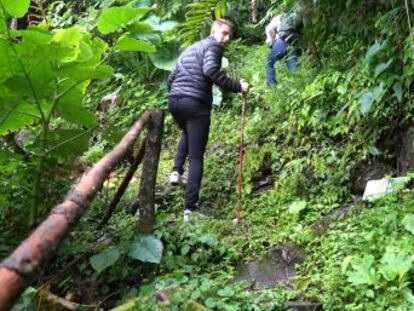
(211, 69)
(171, 77)
(271, 30)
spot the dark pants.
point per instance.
(193, 117)
(278, 51)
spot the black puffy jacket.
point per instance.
(198, 67)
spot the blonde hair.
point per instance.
(222, 21)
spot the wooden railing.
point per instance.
(17, 271)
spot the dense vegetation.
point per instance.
(343, 110)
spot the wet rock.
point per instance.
(274, 269)
(262, 183)
(304, 306)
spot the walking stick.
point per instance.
(241, 155)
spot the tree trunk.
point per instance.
(254, 11)
(146, 196)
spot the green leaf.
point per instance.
(395, 264)
(408, 222)
(140, 27)
(297, 206)
(226, 292)
(15, 117)
(104, 259)
(185, 249)
(69, 142)
(208, 239)
(146, 249)
(382, 67)
(128, 44)
(363, 271)
(217, 96)
(15, 8)
(21, 87)
(374, 151)
(166, 56)
(210, 303)
(114, 18)
(70, 108)
(397, 88)
(369, 97)
(69, 38)
(373, 50)
(81, 72)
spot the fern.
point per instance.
(37, 12)
(199, 15)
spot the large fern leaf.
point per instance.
(199, 15)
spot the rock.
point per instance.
(378, 188)
(304, 306)
(274, 269)
(405, 152)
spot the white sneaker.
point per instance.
(187, 215)
(175, 178)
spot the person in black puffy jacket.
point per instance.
(190, 99)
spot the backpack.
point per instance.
(288, 24)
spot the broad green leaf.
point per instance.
(373, 50)
(128, 44)
(15, 8)
(297, 206)
(369, 97)
(397, 88)
(226, 292)
(69, 38)
(81, 72)
(146, 249)
(13, 118)
(9, 64)
(217, 96)
(363, 271)
(25, 90)
(70, 108)
(114, 18)
(408, 222)
(140, 27)
(166, 56)
(208, 239)
(97, 46)
(69, 143)
(210, 303)
(382, 67)
(104, 259)
(155, 22)
(374, 151)
(76, 114)
(409, 297)
(395, 264)
(33, 36)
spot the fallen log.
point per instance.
(18, 270)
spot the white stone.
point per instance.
(377, 188)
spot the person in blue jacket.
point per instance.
(281, 32)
